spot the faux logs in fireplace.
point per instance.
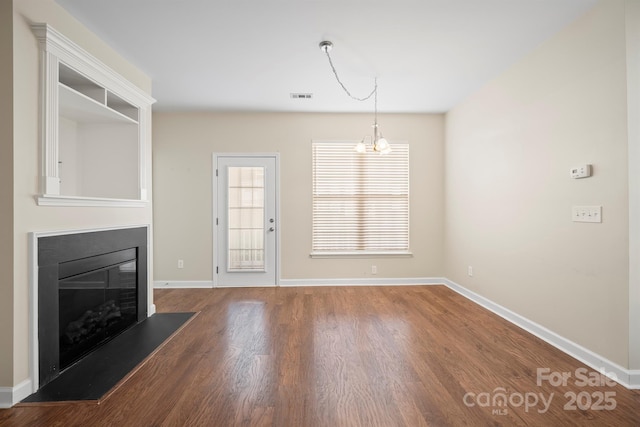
(95, 304)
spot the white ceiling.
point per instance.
(249, 55)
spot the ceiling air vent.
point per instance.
(301, 95)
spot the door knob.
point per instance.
(272, 229)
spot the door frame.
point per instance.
(215, 212)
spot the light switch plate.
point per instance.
(586, 214)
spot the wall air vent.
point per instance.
(301, 95)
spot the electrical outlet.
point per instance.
(470, 271)
(180, 263)
(374, 269)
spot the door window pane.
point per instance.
(246, 219)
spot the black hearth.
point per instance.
(91, 287)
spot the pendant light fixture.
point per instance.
(378, 143)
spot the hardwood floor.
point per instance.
(348, 356)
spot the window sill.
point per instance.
(361, 254)
(50, 200)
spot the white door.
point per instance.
(246, 224)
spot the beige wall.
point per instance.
(182, 154)
(509, 196)
(28, 216)
(6, 191)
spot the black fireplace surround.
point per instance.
(91, 287)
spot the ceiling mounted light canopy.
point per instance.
(378, 143)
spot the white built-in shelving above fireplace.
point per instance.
(94, 128)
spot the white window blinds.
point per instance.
(360, 200)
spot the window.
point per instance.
(360, 201)
(246, 218)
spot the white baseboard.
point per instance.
(193, 284)
(378, 281)
(625, 377)
(6, 397)
(634, 379)
(371, 281)
(9, 396)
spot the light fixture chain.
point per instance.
(335, 73)
(380, 144)
(375, 101)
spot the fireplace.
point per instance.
(96, 301)
(91, 287)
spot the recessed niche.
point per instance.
(95, 129)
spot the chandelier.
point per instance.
(378, 143)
